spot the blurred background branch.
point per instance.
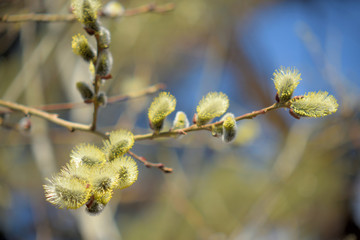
(36, 17)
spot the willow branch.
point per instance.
(111, 100)
(207, 127)
(72, 126)
(95, 102)
(34, 17)
(97, 82)
(150, 164)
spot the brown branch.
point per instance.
(208, 127)
(152, 7)
(96, 83)
(72, 126)
(150, 164)
(34, 17)
(111, 100)
(96, 104)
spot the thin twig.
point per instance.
(72, 126)
(152, 7)
(87, 128)
(137, 94)
(90, 128)
(34, 17)
(208, 127)
(111, 100)
(150, 164)
(96, 83)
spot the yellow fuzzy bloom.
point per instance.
(71, 170)
(81, 47)
(126, 170)
(103, 180)
(160, 108)
(286, 80)
(214, 104)
(119, 143)
(104, 197)
(86, 11)
(314, 104)
(67, 192)
(87, 154)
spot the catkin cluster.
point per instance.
(100, 60)
(93, 173)
(214, 104)
(312, 104)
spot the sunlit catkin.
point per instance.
(81, 47)
(126, 170)
(214, 104)
(314, 104)
(160, 108)
(286, 80)
(87, 154)
(103, 181)
(67, 192)
(119, 143)
(86, 11)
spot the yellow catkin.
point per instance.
(127, 171)
(67, 192)
(87, 154)
(86, 11)
(119, 143)
(315, 104)
(214, 104)
(81, 47)
(285, 81)
(160, 108)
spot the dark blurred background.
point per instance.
(281, 178)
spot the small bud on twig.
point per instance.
(229, 127)
(104, 63)
(104, 37)
(85, 91)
